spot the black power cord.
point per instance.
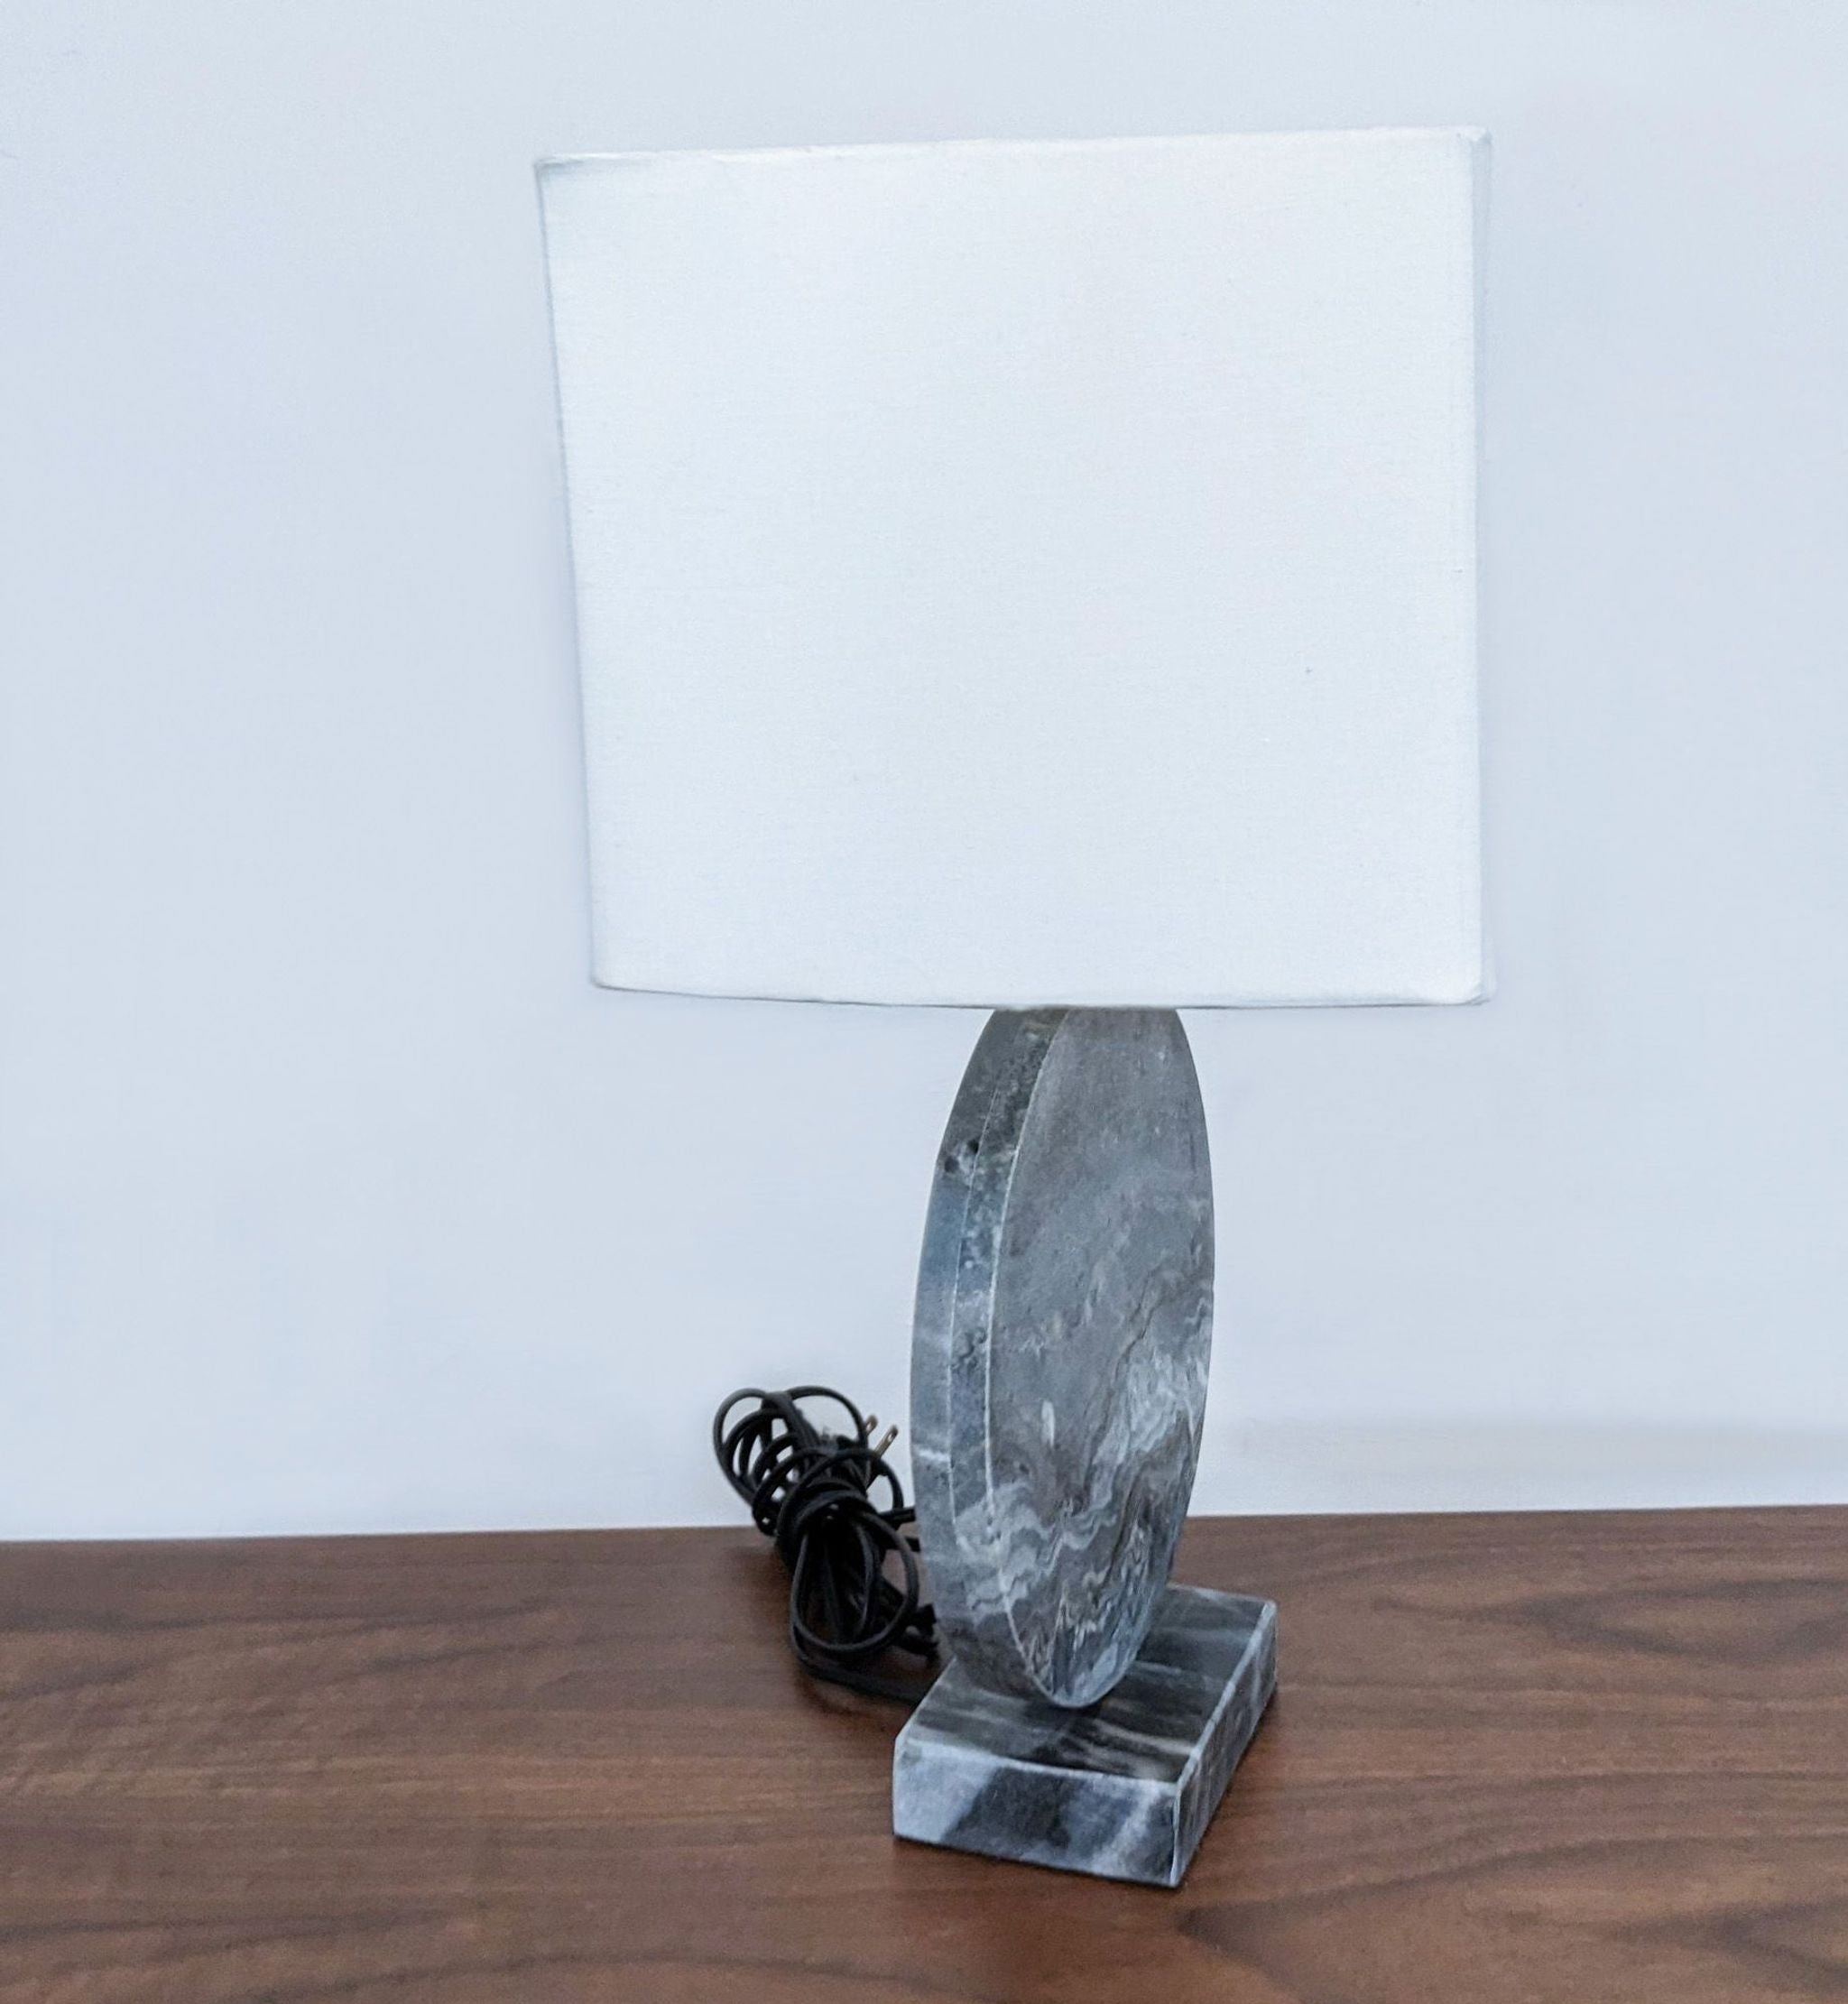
(813, 1493)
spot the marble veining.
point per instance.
(1123, 1789)
(1063, 1333)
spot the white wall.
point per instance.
(330, 1192)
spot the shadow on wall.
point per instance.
(1264, 1466)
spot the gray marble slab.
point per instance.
(1123, 1789)
(1061, 1343)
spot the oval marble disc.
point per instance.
(1059, 1353)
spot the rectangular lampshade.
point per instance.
(1028, 573)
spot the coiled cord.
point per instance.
(812, 1493)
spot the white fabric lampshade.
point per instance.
(1028, 573)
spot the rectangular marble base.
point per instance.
(1123, 1789)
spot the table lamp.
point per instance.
(1039, 577)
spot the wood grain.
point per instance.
(1526, 1757)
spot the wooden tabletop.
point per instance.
(1578, 1758)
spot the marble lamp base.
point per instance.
(1091, 1714)
(1123, 1788)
